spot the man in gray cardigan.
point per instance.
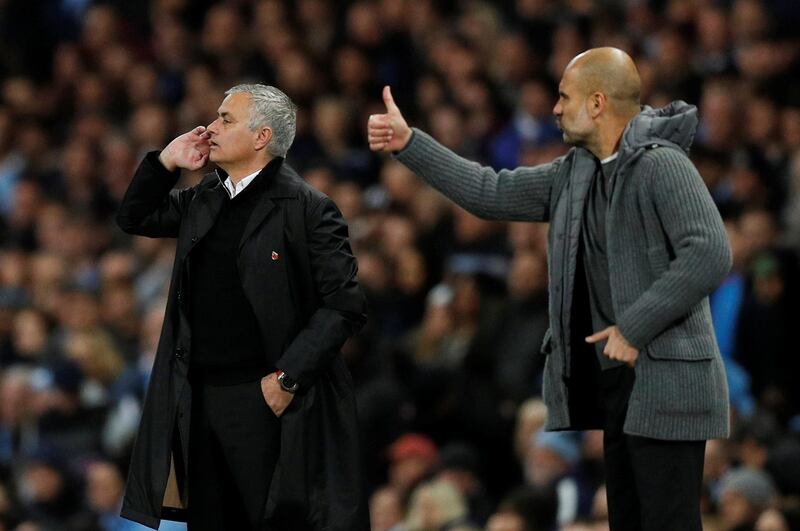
(635, 247)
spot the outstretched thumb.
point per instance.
(388, 100)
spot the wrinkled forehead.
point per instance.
(236, 104)
(570, 80)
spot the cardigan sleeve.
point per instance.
(522, 194)
(694, 228)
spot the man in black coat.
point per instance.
(249, 422)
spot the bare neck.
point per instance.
(608, 138)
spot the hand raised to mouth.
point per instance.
(188, 151)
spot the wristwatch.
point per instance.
(288, 383)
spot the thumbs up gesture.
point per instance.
(388, 132)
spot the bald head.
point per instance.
(610, 71)
(597, 97)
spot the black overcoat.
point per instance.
(299, 274)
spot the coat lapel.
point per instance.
(280, 186)
(582, 175)
(259, 214)
(203, 214)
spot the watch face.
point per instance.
(287, 383)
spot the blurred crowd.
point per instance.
(448, 370)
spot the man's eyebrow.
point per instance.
(224, 114)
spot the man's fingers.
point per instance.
(199, 130)
(378, 121)
(377, 146)
(380, 135)
(598, 336)
(388, 100)
(625, 357)
(380, 131)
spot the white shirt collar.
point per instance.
(235, 189)
(609, 159)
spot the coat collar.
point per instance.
(277, 182)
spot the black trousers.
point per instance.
(652, 485)
(234, 443)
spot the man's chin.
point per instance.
(572, 141)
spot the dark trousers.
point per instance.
(234, 443)
(652, 485)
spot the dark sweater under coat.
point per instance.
(226, 342)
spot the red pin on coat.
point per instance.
(275, 256)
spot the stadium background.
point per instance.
(447, 370)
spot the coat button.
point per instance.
(179, 353)
(179, 295)
(194, 239)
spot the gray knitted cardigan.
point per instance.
(667, 250)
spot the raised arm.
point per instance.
(150, 206)
(522, 194)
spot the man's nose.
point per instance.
(557, 109)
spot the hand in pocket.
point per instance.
(277, 399)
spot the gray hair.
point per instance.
(269, 107)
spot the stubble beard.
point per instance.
(571, 140)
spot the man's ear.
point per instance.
(263, 138)
(596, 103)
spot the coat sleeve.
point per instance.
(342, 309)
(694, 229)
(150, 206)
(522, 194)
